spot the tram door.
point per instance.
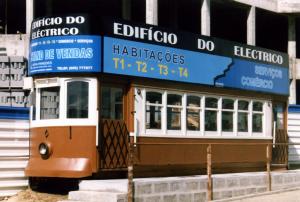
(114, 136)
(279, 152)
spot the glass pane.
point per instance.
(227, 121)
(257, 106)
(210, 120)
(243, 105)
(174, 99)
(278, 114)
(33, 102)
(106, 106)
(77, 99)
(257, 123)
(211, 102)
(153, 97)
(173, 118)
(193, 101)
(112, 103)
(153, 117)
(243, 122)
(193, 119)
(227, 104)
(49, 103)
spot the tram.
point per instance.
(168, 93)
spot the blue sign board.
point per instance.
(79, 53)
(160, 62)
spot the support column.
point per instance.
(152, 12)
(251, 40)
(292, 58)
(126, 9)
(29, 14)
(205, 17)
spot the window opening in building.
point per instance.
(229, 20)
(271, 30)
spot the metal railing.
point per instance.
(209, 163)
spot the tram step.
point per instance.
(96, 196)
(118, 185)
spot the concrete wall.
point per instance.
(194, 188)
(15, 44)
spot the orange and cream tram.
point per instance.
(167, 92)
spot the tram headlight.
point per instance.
(44, 150)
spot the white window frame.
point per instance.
(194, 132)
(140, 116)
(162, 112)
(182, 118)
(234, 112)
(263, 118)
(63, 120)
(218, 121)
(249, 122)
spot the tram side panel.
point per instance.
(71, 152)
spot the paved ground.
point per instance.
(282, 196)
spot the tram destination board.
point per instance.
(151, 52)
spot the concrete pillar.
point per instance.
(205, 17)
(251, 26)
(29, 14)
(152, 12)
(126, 9)
(292, 58)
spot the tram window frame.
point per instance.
(63, 120)
(112, 104)
(80, 97)
(49, 103)
(219, 108)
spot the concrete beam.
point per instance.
(278, 6)
(205, 17)
(152, 12)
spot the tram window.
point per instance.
(193, 113)
(33, 102)
(153, 110)
(174, 104)
(243, 107)
(211, 113)
(112, 103)
(227, 115)
(49, 103)
(257, 117)
(77, 99)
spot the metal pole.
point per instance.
(130, 174)
(209, 180)
(269, 168)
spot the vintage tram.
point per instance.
(169, 94)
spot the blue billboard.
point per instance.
(79, 53)
(63, 44)
(160, 62)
